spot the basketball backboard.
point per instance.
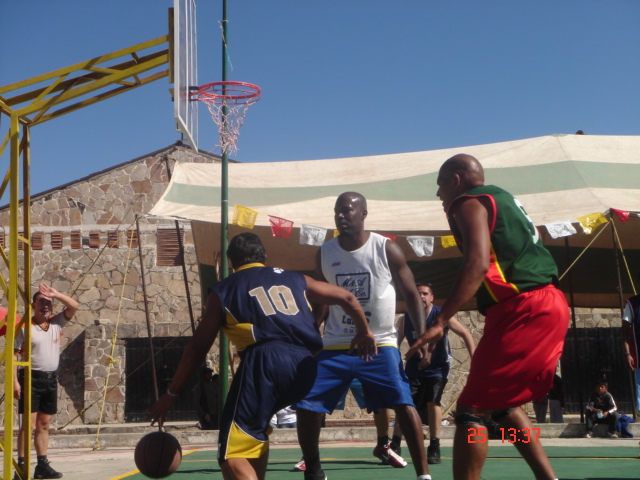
(185, 69)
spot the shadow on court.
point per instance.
(357, 463)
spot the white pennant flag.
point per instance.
(310, 235)
(422, 246)
(560, 229)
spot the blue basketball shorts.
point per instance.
(271, 376)
(383, 380)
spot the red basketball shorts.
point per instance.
(517, 355)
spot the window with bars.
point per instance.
(56, 240)
(37, 240)
(2, 239)
(94, 239)
(76, 239)
(132, 238)
(113, 240)
(168, 248)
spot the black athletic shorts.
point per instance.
(427, 389)
(44, 392)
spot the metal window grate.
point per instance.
(139, 384)
(37, 240)
(94, 239)
(113, 239)
(132, 239)
(168, 248)
(56, 240)
(76, 239)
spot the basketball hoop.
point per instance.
(228, 103)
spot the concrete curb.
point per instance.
(127, 435)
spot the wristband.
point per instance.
(171, 394)
(625, 354)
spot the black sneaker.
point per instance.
(45, 471)
(433, 454)
(318, 475)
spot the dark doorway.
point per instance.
(591, 355)
(139, 384)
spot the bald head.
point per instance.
(349, 213)
(457, 175)
(353, 197)
(467, 167)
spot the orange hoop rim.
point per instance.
(227, 92)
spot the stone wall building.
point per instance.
(85, 242)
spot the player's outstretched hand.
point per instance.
(365, 343)
(158, 411)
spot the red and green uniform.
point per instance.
(526, 315)
(518, 262)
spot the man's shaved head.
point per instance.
(468, 167)
(457, 175)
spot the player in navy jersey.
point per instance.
(266, 313)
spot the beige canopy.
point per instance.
(557, 178)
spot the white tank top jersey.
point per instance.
(365, 273)
(45, 345)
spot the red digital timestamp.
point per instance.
(510, 435)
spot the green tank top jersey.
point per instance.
(519, 261)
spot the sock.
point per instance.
(42, 459)
(382, 441)
(434, 441)
(21, 461)
(396, 440)
(424, 477)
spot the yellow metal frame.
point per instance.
(31, 102)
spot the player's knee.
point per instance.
(500, 415)
(468, 419)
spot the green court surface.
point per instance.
(356, 463)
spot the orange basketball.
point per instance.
(158, 454)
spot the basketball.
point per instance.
(158, 454)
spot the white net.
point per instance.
(228, 103)
(228, 124)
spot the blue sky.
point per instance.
(340, 78)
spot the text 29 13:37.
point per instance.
(510, 435)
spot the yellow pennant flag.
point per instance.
(244, 217)
(448, 241)
(590, 222)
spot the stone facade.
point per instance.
(108, 281)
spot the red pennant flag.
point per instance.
(3, 316)
(622, 215)
(280, 227)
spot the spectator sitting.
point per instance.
(601, 408)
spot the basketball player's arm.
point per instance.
(472, 218)
(459, 329)
(326, 294)
(404, 280)
(320, 311)
(193, 356)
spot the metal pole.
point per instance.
(224, 219)
(574, 328)
(186, 280)
(632, 376)
(146, 313)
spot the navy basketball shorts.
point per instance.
(271, 376)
